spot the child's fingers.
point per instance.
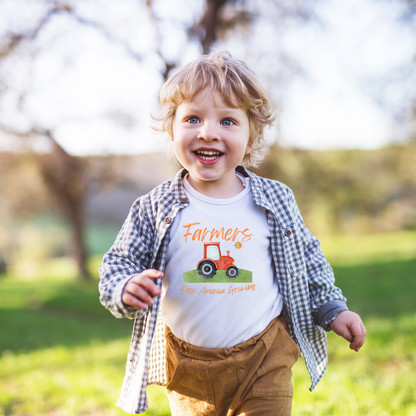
(131, 300)
(144, 280)
(140, 292)
(344, 332)
(349, 325)
(150, 273)
(141, 289)
(358, 333)
(364, 335)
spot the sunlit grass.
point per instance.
(62, 353)
(66, 381)
(379, 380)
(368, 249)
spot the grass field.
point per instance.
(62, 353)
(192, 276)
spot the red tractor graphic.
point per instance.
(213, 261)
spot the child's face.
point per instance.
(210, 139)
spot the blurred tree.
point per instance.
(386, 90)
(410, 12)
(410, 17)
(21, 193)
(354, 191)
(152, 33)
(66, 178)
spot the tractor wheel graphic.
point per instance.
(232, 272)
(207, 269)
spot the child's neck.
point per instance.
(219, 189)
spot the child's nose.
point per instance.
(208, 132)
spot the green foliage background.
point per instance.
(349, 191)
(62, 353)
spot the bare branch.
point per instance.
(133, 54)
(14, 39)
(209, 23)
(168, 65)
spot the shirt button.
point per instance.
(168, 220)
(184, 200)
(288, 233)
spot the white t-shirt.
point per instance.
(219, 287)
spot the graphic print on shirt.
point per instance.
(213, 265)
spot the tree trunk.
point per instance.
(209, 23)
(64, 175)
(74, 202)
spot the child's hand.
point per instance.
(349, 326)
(141, 289)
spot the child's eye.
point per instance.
(227, 122)
(193, 120)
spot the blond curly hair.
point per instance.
(239, 87)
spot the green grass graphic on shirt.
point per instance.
(244, 276)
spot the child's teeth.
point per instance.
(208, 153)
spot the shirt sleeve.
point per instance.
(326, 300)
(129, 255)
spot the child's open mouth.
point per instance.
(208, 155)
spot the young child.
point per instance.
(226, 284)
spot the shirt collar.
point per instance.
(177, 189)
(259, 193)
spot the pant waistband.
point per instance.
(210, 354)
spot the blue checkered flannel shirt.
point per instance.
(306, 280)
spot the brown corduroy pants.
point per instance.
(252, 378)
